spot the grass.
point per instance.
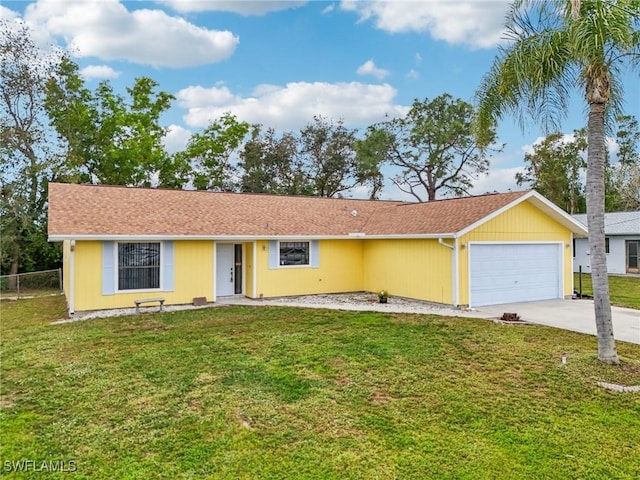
(273, 393)
(624, 291)
(28, 293)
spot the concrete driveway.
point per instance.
(575, 315)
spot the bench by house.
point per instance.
(159, 300)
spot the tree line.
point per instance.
(54, 128)
(556, 167)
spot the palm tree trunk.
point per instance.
(595, 217)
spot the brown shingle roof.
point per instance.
(441, 216)
(87, 210)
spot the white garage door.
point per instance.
(508, 273)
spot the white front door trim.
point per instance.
(224, 269)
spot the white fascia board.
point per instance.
(540, 202)
(240, 238)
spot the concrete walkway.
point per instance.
(574, 315)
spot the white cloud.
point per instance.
(611, 143)
(176, 138)
(7, 14)
(478, 24)
(241, 7)
(329, 9)
(498, 180)
(359, 191)
(107, 30)
(412, 74)
(369, 68)
(292, 106)
(612, 146)
(99, 72)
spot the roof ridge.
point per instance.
(255, 194)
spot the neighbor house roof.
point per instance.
(616, 223)
(108, 212)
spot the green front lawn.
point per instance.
(623, 291)
(268, 392)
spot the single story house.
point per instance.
(622, 243)
(124, 244)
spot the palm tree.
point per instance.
(554, 46)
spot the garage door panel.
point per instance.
(508, 273)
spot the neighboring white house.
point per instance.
(622, 236)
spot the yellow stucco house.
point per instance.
(123, 244)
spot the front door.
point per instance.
(225, 269)
(633, 249)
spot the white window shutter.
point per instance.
(166, 263)
(314, 253)
(109, 268)
(273, 254)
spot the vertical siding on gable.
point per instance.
(339, 270)
(418, 268)
(522, 223)
(193, 276)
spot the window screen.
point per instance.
(138, 266)
(294, 253)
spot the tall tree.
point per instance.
(624, 178)
(326, 149)
(435, 148)
(127, 144)
(110, 138)
(72, 112)
(29, 157)
(320, 160)
(209, 154)
(371, 153)
(270, 164)
(554, 168)
(553, 47)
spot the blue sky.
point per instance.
(279, 63)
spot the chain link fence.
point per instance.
(33, 284)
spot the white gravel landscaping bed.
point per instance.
(362, 301)
(359, 301)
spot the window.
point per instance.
(138, 266)
(294, 253)
(606, 244)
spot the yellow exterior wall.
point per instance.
(340, 271)
(419, 268)
(193, 276)
(412, 268)
(522, 223)
(248, 269)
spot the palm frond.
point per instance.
(554, 47)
